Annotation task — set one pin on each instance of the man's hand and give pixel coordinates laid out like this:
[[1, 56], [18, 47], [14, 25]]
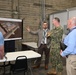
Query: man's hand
[[61, 52], [48, 34], [28, 29]]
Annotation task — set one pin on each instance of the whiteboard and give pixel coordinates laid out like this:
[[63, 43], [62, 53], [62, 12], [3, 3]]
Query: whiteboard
[[72, 13]]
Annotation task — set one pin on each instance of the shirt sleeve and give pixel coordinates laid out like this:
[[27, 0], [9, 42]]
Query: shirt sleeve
[[1, 39], [34, 32], [71, 44]]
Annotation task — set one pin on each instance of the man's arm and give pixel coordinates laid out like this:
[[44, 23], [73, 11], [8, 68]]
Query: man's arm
[[1, 46], [32, 32], [71, 44], [48, 39], [1, 52]]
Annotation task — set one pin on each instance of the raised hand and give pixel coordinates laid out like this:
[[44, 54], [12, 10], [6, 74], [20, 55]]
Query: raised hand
[[48, 34], [28, 29]]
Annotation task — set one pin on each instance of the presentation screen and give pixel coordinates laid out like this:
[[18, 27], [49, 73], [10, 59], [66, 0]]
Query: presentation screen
[[12, 29]]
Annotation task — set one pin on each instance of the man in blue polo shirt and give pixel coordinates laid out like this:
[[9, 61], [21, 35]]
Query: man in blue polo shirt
[[70, 51], [1, 46]]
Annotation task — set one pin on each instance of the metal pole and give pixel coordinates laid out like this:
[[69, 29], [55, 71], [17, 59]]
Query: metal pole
[[12, 8], [43, 9]]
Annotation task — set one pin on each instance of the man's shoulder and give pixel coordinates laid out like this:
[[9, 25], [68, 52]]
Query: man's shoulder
[[73, 32], [60, 27]]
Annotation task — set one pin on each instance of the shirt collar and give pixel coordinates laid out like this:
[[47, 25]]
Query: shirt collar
[[73, 28], [45, 29]]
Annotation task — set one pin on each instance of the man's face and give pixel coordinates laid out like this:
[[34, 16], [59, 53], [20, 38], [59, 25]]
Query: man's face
[[69, 24], [54, 22], [45, 25]]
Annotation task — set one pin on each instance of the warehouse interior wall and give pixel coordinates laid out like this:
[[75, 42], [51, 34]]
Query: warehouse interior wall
[[31, 13]]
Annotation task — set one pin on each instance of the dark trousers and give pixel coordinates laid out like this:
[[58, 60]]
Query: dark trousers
[[41, 49]]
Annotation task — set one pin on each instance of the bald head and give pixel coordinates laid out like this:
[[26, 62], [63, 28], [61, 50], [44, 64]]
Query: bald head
[[73, 20], [71, 23]]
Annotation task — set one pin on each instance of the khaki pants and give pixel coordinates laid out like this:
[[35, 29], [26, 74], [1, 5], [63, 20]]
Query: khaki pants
[[71, 65]]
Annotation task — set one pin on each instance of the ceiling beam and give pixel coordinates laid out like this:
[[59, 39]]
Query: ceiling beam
[[38, 4]]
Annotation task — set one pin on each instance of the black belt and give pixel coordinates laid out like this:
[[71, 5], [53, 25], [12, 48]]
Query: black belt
[[70, 54], [43, 44]]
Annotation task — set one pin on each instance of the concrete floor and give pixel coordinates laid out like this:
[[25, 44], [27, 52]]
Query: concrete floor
[[39, 71]]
